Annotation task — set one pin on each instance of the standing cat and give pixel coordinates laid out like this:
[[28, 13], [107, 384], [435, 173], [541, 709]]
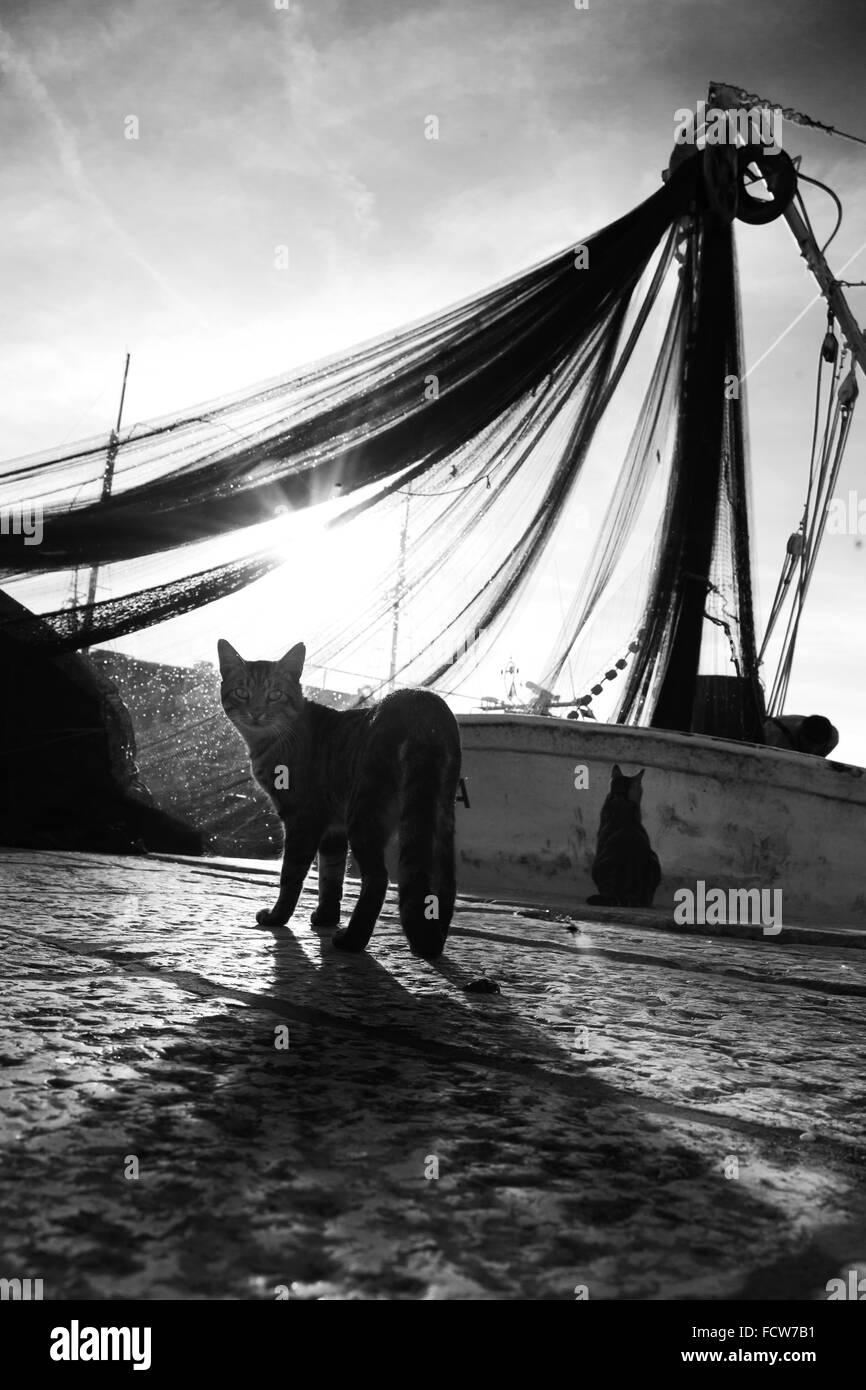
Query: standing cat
[[354, 777], [626, 869]]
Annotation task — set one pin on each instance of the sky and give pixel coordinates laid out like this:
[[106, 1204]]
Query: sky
[[278, 200]]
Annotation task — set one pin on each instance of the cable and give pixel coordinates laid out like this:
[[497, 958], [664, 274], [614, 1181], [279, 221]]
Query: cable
[[821, 483], [818, 184]]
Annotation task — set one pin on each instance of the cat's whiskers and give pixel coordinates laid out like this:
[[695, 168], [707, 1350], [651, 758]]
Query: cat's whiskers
[[271, 741]]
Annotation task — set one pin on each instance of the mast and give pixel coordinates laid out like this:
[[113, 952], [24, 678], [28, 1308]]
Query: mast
[[722, 96], [703, 436], [829, 287], [398, 594], [107, 480], [708, 418]]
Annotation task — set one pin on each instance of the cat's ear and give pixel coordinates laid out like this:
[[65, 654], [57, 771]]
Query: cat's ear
[[292, 664], [230, 660], [639, 776], [615, 771]]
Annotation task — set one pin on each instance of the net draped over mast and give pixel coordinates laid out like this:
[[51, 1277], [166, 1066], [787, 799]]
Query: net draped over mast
[[485, 421]]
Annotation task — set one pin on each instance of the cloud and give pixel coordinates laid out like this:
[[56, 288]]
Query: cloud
[[16, 64], [311, 112]]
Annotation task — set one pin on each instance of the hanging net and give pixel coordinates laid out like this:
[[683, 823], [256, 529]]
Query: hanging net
[[554, 467]]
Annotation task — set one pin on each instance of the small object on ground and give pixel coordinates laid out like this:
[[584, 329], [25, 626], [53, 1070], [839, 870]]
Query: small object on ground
[[483, 986]]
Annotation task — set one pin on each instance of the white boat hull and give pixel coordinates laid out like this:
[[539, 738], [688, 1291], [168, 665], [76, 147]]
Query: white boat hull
[[732, 815]]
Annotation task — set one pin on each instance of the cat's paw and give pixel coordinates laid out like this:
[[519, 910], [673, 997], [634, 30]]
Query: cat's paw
[[342, 941], [268, 918], [324, 918]]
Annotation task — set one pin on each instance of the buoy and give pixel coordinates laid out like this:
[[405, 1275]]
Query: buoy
[[780, 176]]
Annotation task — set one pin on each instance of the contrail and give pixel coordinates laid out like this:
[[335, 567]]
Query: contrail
[[14, 62], [793, 324], [310, 108]]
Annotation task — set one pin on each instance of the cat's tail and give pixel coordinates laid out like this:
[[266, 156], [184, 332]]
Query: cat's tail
[[425, 874]]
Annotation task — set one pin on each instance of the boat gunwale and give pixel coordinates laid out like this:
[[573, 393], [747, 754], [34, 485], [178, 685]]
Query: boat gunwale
[[841, 781]]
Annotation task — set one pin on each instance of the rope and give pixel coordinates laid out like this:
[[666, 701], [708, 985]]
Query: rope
[[804, 545], [818, 184], [788, 112]]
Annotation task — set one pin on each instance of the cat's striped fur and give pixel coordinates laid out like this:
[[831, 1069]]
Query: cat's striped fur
[[354, 778]]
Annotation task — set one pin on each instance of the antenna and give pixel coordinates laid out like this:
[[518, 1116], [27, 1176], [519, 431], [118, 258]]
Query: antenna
[[398, 594], [107, 480]]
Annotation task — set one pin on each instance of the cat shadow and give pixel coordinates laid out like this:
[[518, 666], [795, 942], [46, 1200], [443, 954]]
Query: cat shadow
[[417, 1067], [308, 1165], [290, 951]]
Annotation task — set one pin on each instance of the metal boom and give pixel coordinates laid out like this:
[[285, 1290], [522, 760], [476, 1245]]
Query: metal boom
[[722, 96]]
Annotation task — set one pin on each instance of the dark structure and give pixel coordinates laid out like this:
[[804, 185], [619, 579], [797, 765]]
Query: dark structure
[[68, 777]]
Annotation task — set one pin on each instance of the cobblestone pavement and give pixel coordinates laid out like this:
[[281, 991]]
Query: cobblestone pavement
[[645, 1114]]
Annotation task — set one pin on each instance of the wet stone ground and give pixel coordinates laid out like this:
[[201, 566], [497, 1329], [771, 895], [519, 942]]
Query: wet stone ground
[[638, 1114]]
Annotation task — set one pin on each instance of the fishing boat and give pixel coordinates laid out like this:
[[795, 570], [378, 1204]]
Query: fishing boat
[[727, 812], [483, 420]]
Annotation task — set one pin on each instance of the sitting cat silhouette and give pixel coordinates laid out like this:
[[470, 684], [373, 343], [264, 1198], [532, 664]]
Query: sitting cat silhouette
[[626, 870], [350, 778]]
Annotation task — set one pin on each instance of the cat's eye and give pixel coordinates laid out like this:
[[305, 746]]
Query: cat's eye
[[276, 695], [241, 693]]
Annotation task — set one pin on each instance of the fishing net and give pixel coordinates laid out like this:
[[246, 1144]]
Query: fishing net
[[392, 507], [696, 667]]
